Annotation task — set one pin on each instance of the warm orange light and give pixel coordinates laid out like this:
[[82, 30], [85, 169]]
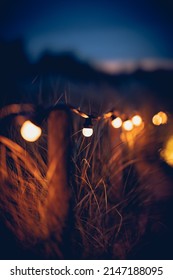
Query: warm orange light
[[87, 132], [167, 152], [117, 122], [128, 125], [137, 120], [163, 116], [157, 120], [30, 132]]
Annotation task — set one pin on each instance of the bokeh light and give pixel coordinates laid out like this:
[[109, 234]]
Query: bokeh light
[[30, 132], [157, 120], [137, 120], [167, 152], [160, 118], [117, 122], [163, 116], [128, 125]]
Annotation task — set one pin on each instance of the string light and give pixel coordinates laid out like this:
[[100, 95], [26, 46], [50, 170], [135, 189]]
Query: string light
[[35, 131], [137, 120], [157, 120], [30, 132], [163, 116], [116, 122], [128, 125], [87, 130], [160, 118]]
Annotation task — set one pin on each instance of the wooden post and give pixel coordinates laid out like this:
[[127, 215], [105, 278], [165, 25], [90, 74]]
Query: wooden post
[[59, 126]]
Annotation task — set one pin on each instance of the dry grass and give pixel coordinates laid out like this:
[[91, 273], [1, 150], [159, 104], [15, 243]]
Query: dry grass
[[111, 203], [106, 192]]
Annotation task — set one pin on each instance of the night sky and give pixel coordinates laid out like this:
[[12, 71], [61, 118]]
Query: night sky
[[95, 30]]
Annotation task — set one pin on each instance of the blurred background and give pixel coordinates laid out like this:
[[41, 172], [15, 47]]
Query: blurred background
[[100, 31], [130, 40]]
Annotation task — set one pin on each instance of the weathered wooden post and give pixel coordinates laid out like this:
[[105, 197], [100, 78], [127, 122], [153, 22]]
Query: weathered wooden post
[[59, 149]]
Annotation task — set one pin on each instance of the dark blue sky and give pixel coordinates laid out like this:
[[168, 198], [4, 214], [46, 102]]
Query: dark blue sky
[[96, 30]]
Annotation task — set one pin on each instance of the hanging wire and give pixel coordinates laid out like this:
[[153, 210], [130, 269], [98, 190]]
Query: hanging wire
[[42, 113], [84, 115]]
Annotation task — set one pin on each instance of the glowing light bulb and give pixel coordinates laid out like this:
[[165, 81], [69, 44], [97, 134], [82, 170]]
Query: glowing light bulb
[[137, 120], [87, 131], [128, 125], [163, 116], [30, 132], [157, 120], [117, 122]]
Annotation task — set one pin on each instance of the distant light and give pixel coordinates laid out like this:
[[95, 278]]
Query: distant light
[[163, 116], [117, 122], [137, 120], [157, 120], [30, 132], [128, 125], [167, 152], [87, 131]]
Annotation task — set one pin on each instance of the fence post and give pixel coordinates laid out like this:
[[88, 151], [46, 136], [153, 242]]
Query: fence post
[[59, 149]]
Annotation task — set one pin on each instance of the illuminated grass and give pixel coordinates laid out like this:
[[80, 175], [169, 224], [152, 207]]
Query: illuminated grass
[[110, 195]]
